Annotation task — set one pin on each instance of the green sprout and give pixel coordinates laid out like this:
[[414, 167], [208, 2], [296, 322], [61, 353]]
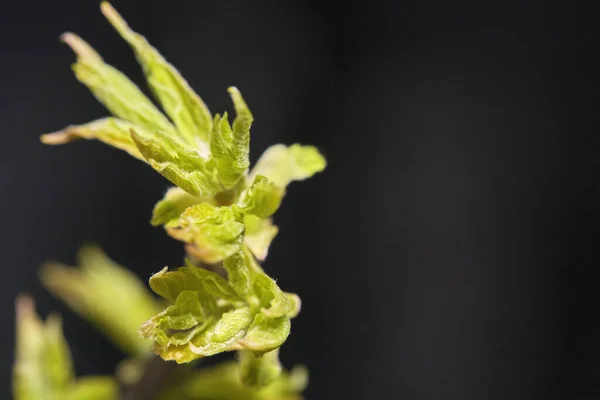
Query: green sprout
[[221, 300]]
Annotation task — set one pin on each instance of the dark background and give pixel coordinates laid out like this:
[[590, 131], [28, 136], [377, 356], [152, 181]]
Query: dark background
[[449, 251]]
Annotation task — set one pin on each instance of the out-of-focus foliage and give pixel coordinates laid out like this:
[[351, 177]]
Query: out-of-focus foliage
[[224, 382], [106, 294], [43, 368]]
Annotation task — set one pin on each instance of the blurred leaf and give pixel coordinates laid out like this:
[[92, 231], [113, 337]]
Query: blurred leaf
[[43, 368], [94, 388], [222, 382], [258, 371], [42, 361], [112, 131], [106, 294], [181, 103], [282, 165], [216, 232]]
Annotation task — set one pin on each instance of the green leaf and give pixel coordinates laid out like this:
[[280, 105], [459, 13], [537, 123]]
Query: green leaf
[[207, 337], [113, 89], [273, 301], [168, 210], [112, 131], [259, 235], [262, 198], [230, 147], [169, 284], [295, 304], [43, 364], [215, 232], [94, 388], [181, 103], [282, 164], [180, 322], [258, 371], [185, 168], [266, 333], [106, 294], [238, 273]]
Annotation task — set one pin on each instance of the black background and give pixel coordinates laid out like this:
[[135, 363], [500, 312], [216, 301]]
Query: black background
[[449, 251]]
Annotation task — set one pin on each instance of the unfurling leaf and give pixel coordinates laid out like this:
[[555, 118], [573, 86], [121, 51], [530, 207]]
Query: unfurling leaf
[[215, 232], [185, 168], [266, 333], [273, 301], [258, 371], [108, 295], [112, 131], [168, 210], [262, 198], [169, 284], [181, 103], [212, 315], [184, 332], [259, 235], [230, 147], [238, 273], [282, 165], [113, 89]]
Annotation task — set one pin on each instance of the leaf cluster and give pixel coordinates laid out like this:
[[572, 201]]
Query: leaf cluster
[[221, 299]]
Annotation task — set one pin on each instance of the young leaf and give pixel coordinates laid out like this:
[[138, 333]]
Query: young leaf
[[113, 89], [259, 235], [169, 284], [230, 147], [238, 273], [211, 337], [183, 167], [181, 103], [266, 334], [112, 131], [180, 322], [168, 210], [215, 232], [105, 293], [262, 198], [282, 164], [295, 304], [223, 335], [273, 301]]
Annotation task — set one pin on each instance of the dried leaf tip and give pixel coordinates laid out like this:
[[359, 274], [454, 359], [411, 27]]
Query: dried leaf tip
[[115, 19], [24, 306], [80, 47]]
